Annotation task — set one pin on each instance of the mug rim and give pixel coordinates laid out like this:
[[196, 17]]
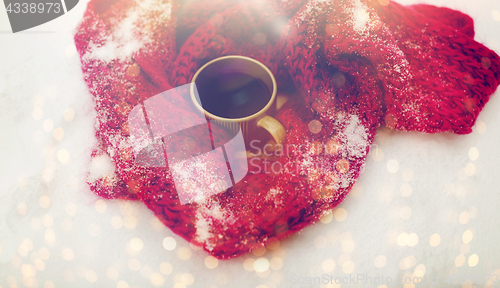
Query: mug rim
[[243, 119]]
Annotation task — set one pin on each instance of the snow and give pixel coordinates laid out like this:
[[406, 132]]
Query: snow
[[201, 175], [312, 7], [131, 34], [354, 137], [209, 212], [360, 16], [100, 166]]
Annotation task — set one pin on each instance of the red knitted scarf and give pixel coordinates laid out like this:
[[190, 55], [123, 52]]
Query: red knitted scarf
[[355, 65]]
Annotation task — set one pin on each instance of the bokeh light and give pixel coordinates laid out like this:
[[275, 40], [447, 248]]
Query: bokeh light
[[314, 126], [112, 273], [377, 153], [63, 156], [412, 239], [211, 262], [460, 260], [122, 284], [44, 201], [473, 153], [464, 248], [48, 125], [470, 169], [259, 251], [467, 236], [473, 260], [37, 113], [68, 254], [248, 264], [117, 222], [22, 209], [380, 261], [69, 114], [47, 220], [464, 217], [261, 265], [327, 218], [393, 166], [157, 279], [495, 14], [340, 214], [328, 265], [91, 276], [406, 190], [136, 244], [184, 253], [348, 267], [434, 240], [70, 50], [134, 264], [187, 279], [481, 127], [100, 206], [402, 239], [405, 212], [166, 268], [276, 263], [58, 133], [169, 243]]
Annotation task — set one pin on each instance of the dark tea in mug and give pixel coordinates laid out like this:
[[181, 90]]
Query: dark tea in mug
[[234, 87], [233, 94]]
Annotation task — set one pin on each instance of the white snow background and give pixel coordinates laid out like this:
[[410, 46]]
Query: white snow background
[[55, 233]]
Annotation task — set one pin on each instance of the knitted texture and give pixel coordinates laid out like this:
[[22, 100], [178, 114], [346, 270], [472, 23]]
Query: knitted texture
[[354, 65]]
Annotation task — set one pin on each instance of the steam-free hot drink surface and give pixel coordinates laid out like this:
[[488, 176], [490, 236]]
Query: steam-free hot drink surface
[[233, 95]]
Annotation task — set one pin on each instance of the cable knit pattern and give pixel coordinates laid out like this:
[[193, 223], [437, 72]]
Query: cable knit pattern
[[355, 64]]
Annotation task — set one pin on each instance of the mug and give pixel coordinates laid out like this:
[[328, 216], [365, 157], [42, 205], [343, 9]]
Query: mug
[[238, 92]]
